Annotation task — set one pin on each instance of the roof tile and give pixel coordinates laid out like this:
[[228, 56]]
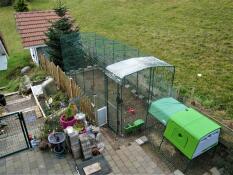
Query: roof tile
[[33, 25]]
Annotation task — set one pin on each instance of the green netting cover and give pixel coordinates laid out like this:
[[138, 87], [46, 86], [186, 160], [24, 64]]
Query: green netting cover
[[164, 108]]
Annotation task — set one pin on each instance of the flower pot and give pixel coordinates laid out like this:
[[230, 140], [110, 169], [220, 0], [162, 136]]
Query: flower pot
[[59, 151], [65, 123]]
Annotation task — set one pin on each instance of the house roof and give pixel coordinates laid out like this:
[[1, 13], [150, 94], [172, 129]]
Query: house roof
[[32, 26]]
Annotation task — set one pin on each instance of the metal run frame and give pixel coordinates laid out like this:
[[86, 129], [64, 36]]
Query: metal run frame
[[148, 99], [100, 52]]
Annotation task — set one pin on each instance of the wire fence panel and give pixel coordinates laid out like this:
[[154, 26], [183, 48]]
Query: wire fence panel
[[13, 135]]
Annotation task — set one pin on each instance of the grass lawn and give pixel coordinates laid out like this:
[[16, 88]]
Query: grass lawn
[[195, 36]]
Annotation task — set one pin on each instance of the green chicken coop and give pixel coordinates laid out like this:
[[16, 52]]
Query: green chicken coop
[[189, 130]]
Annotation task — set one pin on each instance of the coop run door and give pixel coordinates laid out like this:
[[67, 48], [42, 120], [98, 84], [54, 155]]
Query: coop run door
[[207, 142]]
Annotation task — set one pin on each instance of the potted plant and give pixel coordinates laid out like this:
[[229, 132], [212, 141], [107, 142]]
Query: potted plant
[[68, 119]]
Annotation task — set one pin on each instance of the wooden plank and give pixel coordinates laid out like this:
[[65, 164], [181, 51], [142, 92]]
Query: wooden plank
[[11, 93], [3, 87], [38, 104]]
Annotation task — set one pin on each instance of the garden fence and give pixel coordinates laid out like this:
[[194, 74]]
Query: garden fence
[[69, 86]]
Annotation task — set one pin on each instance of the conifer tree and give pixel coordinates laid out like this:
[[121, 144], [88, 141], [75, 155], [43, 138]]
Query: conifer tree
[[58, 28]]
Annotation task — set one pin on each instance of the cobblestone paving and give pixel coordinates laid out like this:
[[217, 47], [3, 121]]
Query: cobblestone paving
[[124, 161], [130, 160]]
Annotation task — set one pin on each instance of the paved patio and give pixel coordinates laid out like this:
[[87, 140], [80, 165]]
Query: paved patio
[[123, 154], [128, 160]]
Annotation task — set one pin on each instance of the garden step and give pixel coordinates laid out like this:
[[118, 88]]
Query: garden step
[[20, 104], [21, 100]]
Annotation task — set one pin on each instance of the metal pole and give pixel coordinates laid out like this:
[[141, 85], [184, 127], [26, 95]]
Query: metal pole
[[137, 84], [147, 113], [93, 80], [113, 50], [117, 109], [187, 166], [104, 49], [22, 127], [121, 110], [124, 55], [106, 95], [25, 128], [95, 45], [83, 81], [148, 102], [173, 77], [153, 77], [160, 145]]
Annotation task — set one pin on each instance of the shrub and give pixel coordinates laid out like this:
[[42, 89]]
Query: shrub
[[21, 6]]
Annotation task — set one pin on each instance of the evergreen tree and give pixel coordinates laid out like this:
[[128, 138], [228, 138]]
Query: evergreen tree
[[58, 28], [21, 6]]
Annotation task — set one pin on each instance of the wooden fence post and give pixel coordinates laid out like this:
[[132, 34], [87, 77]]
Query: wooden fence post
[[58, 77], [70, 83]]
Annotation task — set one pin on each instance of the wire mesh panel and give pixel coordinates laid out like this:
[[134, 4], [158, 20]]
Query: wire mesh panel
[[12, 135], [113, 112], [134, 104], [80, 50], [162, 82]]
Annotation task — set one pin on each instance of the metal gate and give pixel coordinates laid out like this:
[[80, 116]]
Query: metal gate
[[13, 134]]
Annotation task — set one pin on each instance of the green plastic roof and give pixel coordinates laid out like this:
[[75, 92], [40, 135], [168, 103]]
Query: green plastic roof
[[164, 108], [194, 123]]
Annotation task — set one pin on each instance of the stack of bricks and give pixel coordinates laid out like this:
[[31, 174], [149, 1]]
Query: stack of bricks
[[75, 145], [86, 146]]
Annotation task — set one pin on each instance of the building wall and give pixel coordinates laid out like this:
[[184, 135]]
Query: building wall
[[3, 57], [3, 62], [34, 55]]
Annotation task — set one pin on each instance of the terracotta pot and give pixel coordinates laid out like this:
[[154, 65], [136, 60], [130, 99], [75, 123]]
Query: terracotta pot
[[65, 123]]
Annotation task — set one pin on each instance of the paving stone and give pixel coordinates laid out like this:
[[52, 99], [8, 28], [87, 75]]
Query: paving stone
[[35, 171], [33, 164], [206, 173], [43, 171], [51, 172], [141, 170], [178, 172], [115, 169], [2, 170], [214, 171], [116, 158]]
